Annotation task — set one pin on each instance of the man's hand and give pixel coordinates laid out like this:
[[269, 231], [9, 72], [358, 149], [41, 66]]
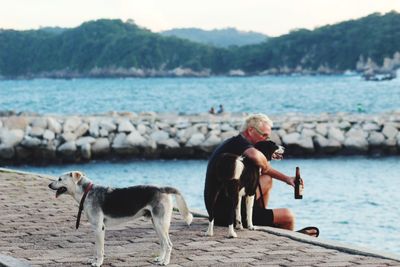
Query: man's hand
[[291, 180]]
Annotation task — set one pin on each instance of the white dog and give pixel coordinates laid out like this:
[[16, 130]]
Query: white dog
[[107, 206]]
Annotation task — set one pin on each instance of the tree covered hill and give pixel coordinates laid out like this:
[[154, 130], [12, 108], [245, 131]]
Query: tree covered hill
[[336, 47], [108, 48], [219, 37]]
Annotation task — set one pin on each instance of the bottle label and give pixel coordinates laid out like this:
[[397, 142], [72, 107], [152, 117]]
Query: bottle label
[[301, 189]]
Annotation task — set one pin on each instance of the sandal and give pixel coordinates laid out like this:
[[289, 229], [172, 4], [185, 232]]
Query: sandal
[[311, 231]]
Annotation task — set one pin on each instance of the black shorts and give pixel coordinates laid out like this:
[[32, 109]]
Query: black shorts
[[261, 216]]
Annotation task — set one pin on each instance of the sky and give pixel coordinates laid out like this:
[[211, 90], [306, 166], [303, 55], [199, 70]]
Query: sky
[[271, 17]]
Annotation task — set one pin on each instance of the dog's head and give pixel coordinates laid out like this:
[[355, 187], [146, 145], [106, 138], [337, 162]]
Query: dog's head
[[270, 150], [67, 183]]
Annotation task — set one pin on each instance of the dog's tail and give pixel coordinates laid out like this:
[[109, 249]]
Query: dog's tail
[[181, 203]]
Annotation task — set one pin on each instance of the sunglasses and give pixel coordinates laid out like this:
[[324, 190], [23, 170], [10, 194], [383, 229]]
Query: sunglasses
[[265, 135]]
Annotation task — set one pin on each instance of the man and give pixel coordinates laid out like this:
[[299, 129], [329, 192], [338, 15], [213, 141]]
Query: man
[[256, 128]]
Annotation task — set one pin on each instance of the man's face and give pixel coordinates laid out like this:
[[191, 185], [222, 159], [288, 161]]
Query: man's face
[[259, 133]]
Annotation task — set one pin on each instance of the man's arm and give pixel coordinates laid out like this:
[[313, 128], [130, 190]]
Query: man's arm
[[258, 158], [280, 176]]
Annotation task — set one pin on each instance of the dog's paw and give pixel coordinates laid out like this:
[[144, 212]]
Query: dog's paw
[[232, 235], [239, 225], [161, 261], [209, 233], [96, 263], [251, 227]]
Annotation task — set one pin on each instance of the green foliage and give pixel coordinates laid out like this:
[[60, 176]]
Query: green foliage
[[219, 38], [112, 44], [337, 47]]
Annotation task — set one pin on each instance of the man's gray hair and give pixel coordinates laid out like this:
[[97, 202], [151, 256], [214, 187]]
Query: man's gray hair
[[255, 120]]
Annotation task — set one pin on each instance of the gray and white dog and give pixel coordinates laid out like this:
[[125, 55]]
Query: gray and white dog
[[106, 206]]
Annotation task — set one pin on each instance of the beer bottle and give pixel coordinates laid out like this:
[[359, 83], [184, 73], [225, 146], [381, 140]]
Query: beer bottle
[[298, 187]]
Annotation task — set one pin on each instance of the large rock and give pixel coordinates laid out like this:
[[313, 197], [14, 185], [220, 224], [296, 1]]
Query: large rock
[[307, 144], [169, 143], [335, 133], [68, 148], [322, 128], [195, 140], [225, 127], [71, 124], [356, 132], [82, 141], [126, 126], [376, 139], [48, 135], [275, 138], [86, 151], [16, 122], [36, 131], [101, 146], [291, 139], [307, 132], [107, 125], [210, 143], [371, 126], [119, 141], [31, 142], [54, 125], [10, 138], [390, 131], [81, 130], [142, 129], [40, 122], [327, 146], [356, 143], [68, 136], [94, 128], [159, 136], [227, 135], [136, 139]]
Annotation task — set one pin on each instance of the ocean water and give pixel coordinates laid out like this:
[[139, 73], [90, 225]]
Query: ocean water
[[270, 95], [351, 200]]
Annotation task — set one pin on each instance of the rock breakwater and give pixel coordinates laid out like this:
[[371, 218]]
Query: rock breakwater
[[53, 139]]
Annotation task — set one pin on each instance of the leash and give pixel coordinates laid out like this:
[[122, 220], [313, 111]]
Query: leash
[[78, 219], [261, 195]]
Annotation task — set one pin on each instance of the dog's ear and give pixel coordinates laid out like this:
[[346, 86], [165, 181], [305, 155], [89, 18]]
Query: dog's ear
[[76, 176]]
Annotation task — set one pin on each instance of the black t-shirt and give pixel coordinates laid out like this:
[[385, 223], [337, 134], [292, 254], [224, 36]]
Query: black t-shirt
[[235, 145]]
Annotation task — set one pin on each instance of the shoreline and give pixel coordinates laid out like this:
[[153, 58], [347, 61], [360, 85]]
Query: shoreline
[[43, 139]]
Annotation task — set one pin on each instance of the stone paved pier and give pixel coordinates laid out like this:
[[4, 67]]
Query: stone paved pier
[[38, 230]]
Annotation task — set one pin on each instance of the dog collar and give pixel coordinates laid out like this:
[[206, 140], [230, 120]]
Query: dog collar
[[78, 219]]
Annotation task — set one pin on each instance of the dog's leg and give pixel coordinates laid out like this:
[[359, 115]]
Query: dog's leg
[[249, 212], [161, 254], [210, 230], [231, 231], [162, 221], [233, 191], [99, 230], [238, 220]]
